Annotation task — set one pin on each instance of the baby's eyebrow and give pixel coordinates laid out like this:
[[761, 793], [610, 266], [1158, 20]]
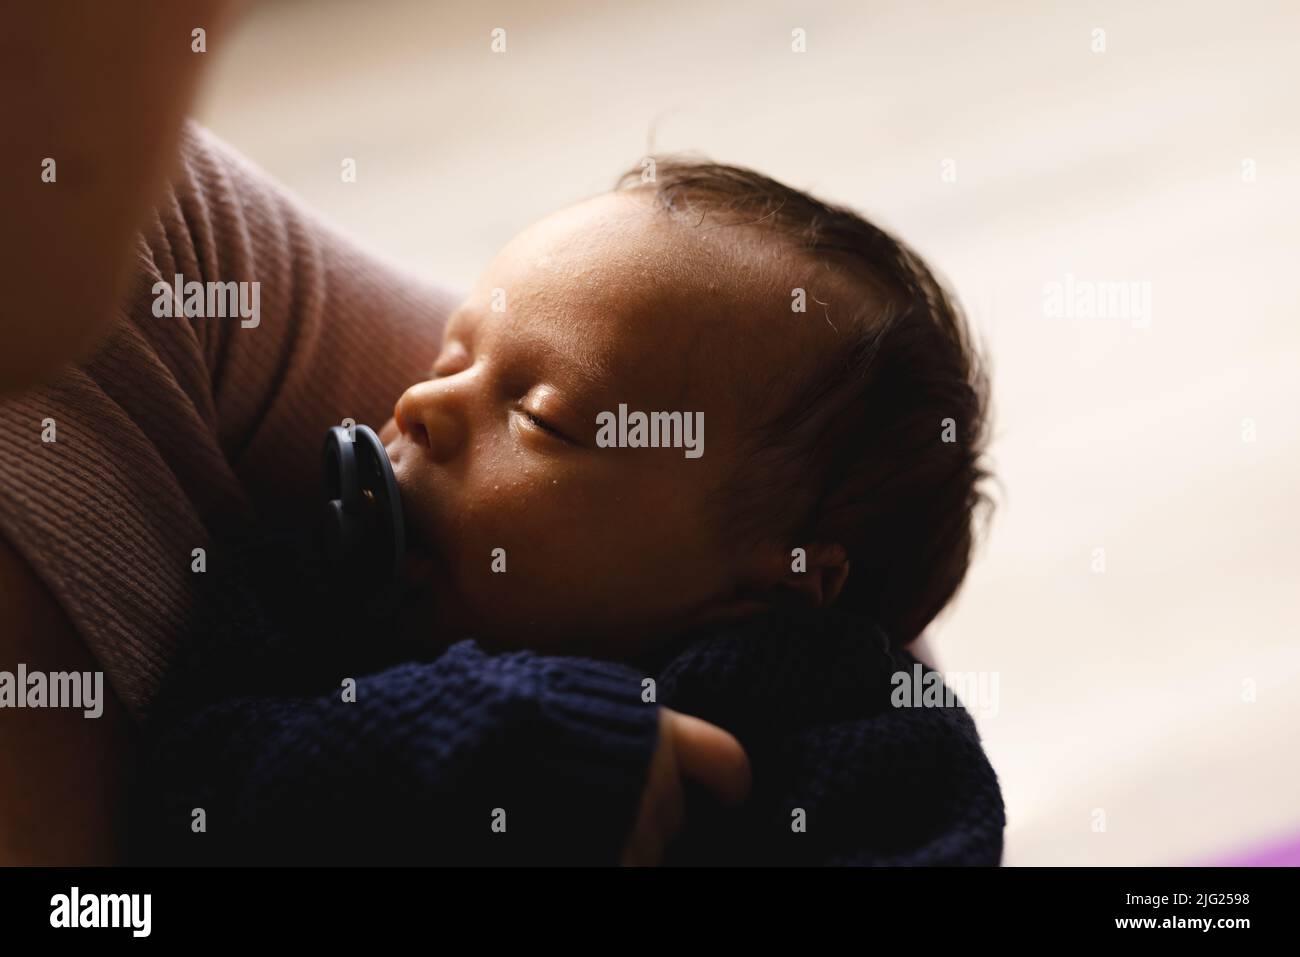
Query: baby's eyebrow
[[595, 373], [591, 370], [594, 377], [592, 383]]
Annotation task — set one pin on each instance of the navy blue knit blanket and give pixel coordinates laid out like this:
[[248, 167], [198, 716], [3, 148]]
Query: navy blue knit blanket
[[292, 732]]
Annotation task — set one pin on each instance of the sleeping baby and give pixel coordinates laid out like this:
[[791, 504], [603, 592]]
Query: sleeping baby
[[836, 383], [563, 505]]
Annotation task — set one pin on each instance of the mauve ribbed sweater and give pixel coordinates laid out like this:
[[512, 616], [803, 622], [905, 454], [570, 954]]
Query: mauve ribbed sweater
[[179, 428]]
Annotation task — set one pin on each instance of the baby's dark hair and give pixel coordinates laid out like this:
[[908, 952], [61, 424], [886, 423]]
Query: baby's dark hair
[[887, 446]]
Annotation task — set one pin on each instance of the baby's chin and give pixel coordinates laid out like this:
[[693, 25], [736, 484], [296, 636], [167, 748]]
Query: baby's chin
[[424, 625], [436, 616]]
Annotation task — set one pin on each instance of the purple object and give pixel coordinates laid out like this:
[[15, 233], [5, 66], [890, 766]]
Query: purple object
[[1284, 853]]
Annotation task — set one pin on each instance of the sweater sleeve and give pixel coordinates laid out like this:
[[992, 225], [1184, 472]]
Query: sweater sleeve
[[470, 759], [338, 333], [181, 428], [842, 773]]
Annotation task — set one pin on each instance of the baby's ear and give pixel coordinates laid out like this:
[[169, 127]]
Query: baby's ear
[[810, 575], [816, 573]]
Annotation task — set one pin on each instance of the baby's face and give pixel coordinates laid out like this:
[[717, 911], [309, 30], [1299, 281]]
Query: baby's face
[[536, 534]]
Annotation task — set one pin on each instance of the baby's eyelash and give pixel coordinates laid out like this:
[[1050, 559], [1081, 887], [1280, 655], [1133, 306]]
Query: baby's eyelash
[[542, 425]]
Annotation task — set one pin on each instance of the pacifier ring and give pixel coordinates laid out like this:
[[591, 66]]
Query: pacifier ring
[[364, 532]]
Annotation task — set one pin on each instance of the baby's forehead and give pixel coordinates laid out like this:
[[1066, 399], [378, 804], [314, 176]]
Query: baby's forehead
[[664, 305], [621, 243]]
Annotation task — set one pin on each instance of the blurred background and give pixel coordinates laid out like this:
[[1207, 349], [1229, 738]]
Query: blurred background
[[1137, 593]]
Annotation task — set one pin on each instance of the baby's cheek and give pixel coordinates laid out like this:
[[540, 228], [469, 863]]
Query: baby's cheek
[[510, 549]]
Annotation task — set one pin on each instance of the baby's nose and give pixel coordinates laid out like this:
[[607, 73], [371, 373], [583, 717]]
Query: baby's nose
[[423, 417]]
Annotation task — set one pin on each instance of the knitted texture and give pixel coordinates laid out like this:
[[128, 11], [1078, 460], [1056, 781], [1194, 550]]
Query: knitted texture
[[415, 764], [808, 694], [412, 771], [417, 769]]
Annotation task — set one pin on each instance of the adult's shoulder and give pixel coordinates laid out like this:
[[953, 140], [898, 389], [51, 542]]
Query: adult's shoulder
[[323, 329]]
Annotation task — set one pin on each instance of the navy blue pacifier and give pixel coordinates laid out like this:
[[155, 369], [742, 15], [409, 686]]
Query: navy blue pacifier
[[362, 529]]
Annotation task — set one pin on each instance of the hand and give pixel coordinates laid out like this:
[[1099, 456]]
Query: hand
[[688, 748]]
